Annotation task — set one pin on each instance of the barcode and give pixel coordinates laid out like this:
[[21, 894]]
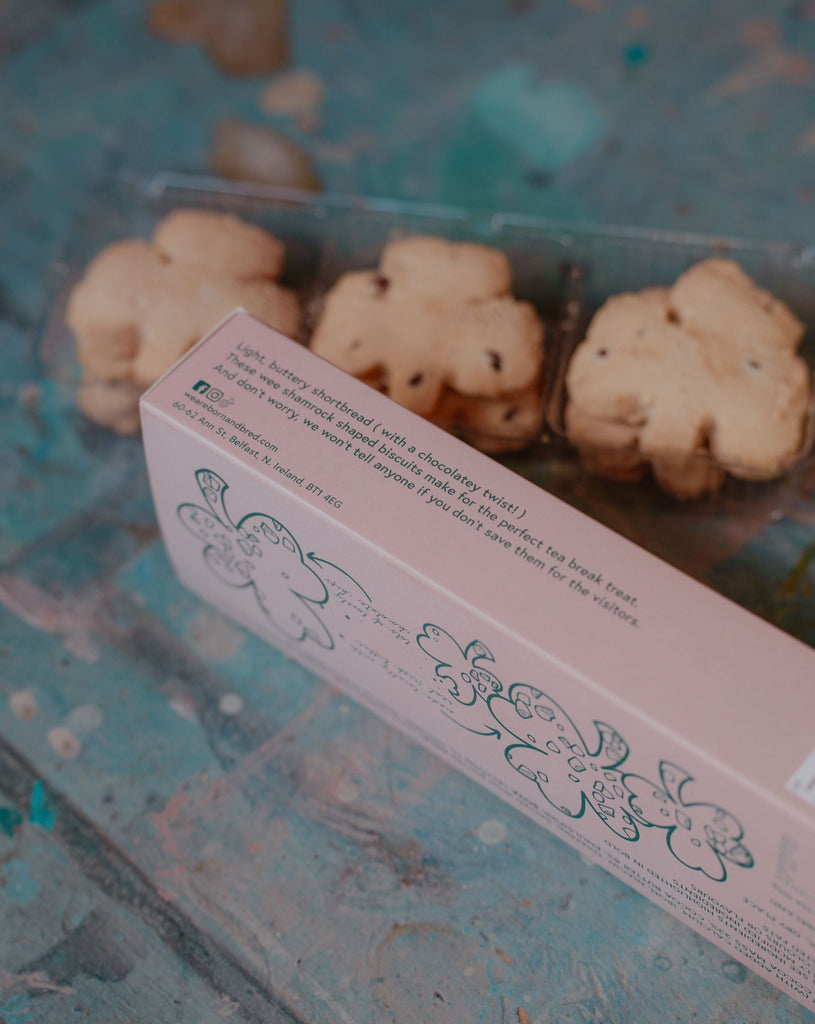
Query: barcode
[[803, 781]]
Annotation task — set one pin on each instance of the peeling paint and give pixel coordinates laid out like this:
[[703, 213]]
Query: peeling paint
[[24, 705], [773, 64], [64, 743], [71, 618], [33, 981]]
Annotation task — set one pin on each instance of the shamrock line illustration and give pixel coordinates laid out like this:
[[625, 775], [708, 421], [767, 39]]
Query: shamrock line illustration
[[571, 773], [575, 773], [260, 554], [700, 835], [469, 681]]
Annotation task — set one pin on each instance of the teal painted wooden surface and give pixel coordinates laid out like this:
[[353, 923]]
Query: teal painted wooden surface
[[217, 834], [71, 947]]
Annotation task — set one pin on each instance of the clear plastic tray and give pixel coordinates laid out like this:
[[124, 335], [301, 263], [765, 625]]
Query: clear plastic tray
[[565, 269]]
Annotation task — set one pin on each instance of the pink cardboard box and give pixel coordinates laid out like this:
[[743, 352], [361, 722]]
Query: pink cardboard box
[[657, 727]]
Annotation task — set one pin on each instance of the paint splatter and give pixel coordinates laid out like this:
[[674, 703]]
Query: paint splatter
[[638, 18], [228, 1007], [491, 832], [241, 37], [549, 123], [298, 94], [64, 743], [31, 981], [214, 637], [771, 63], [249, 152], [23, 705], [10, 819], [70, 617], [230, 704], [84, 719], [41, 812], [734, 972], [184, 707], [635, 54]]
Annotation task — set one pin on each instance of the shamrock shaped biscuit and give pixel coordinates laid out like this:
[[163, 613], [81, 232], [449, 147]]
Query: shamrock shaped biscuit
[[695, 381], [141, 305], [717, 297], [507, 423], [436, 315]]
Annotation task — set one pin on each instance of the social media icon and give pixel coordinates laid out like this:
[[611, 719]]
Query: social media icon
[[215, 394], [202, 386]]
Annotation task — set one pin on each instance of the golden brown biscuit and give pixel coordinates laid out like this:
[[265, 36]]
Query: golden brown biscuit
[[507, 423], [140, 305], [219, 242], [716, 297], [691, 386], [435, 316]]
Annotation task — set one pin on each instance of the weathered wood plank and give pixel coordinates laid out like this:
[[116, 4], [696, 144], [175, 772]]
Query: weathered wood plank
[[84, 935]]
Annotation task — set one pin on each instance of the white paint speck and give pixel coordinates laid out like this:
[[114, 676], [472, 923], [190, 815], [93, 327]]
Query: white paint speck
[[82, 646], [228, 1007], [84, 719], [64, 742], [214, 637], [491, 832], [345, 791], [230, 704], [183, 706], [297, 93], [23, 705]]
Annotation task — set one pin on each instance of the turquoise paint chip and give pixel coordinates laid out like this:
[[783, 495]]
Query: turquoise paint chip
[[10, 818], [41, 813], [635, 54], [549, 123], [17, 1010]]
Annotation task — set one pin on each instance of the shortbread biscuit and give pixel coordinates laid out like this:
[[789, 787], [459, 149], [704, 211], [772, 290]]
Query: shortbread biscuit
[[507, 423], [436, 317], [110, 403], [221, 243], [693, 388], [716, 297], [140, 305], [454, 271]]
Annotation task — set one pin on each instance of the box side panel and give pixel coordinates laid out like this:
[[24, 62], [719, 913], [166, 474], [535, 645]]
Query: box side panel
[[650, 809], [623, 620]]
